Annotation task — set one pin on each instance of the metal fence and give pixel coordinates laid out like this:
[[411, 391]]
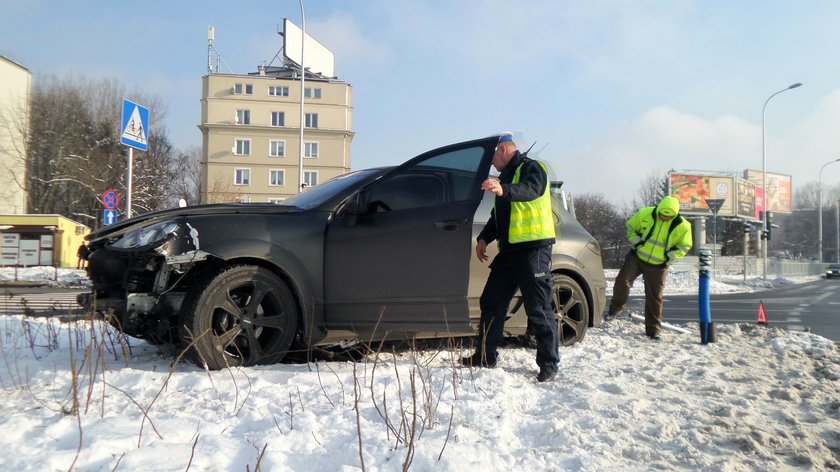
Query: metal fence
[[734, 265]]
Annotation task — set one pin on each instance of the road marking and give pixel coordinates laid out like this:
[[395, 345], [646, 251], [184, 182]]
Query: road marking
[[823, 297]]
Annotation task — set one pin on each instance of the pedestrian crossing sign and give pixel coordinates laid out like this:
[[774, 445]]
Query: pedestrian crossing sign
[[135, 125]]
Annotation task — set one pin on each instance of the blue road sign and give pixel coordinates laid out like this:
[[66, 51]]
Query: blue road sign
[[135, 126], [109, 217]]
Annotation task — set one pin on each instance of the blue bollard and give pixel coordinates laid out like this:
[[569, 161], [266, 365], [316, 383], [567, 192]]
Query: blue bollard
[[707, 327]]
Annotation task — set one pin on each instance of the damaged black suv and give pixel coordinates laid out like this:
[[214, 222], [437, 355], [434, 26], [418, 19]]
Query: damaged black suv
[[375, 254]]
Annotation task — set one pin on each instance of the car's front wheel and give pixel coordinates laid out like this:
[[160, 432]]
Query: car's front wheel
[[240, 316], [572, 309]]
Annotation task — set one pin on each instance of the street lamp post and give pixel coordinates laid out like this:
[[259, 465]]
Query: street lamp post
[[302, 85], [764, 171], [838, 231], [819, 212]]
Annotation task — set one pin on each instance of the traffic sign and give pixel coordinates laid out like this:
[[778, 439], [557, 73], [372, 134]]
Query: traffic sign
[[135, 125], [111, 199], [109, 217]]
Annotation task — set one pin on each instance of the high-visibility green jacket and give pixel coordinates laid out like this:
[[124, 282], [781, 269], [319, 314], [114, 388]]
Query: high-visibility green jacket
[[525, 181], [658, 242], [531, 220]]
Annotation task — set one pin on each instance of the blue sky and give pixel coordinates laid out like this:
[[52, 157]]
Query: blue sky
[[611, 90]]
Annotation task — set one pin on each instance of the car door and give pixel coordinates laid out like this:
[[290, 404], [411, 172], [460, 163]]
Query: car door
[[400, 264]]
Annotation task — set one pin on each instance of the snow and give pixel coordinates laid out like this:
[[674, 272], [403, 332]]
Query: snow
[[44, 275], [757, 399]]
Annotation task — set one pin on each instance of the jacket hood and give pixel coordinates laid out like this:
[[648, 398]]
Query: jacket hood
[[669, 206]]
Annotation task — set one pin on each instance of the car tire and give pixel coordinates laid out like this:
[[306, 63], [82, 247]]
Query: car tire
[[242, 315], [572, 309]]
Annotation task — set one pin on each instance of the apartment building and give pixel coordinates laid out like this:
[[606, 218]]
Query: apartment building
[[15, 90], [251, 123]]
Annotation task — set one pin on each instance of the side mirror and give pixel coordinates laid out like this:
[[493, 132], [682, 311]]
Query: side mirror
[[353, 207]]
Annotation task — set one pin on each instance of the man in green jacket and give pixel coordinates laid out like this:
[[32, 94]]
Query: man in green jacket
[[660, 236]]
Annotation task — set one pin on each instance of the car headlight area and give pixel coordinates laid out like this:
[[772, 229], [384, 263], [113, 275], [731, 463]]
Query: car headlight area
[[147, 237]]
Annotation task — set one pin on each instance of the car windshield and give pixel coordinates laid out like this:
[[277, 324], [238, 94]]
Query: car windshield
[[834, 266], [315, 196]]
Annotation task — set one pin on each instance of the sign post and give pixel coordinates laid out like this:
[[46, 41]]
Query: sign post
[[714, 205], [134, 134], [111, 201]]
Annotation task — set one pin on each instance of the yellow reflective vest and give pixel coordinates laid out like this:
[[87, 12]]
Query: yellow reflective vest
[[531, 221], [658, 242]]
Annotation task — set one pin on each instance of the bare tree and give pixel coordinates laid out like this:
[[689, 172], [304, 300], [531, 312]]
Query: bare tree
[[74, 150], [221, 191], [807, 196], [653, 188], [606, 223], [186, 168]]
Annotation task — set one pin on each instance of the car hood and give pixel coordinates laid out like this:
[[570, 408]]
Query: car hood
[[204, 210]]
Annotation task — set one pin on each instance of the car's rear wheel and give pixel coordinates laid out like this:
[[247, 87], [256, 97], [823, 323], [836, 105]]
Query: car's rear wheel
[[240, 316], [572, 309]]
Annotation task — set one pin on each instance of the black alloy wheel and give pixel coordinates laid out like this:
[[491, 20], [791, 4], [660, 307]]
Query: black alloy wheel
[[572, 309], [241, 316]]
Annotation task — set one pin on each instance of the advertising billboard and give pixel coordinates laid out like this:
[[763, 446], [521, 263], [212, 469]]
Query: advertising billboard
[[694, 190], [779, 189], [318, 58], [746, 199]]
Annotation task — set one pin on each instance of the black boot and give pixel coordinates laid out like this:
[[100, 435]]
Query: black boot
[[479, 360], [547, 373]]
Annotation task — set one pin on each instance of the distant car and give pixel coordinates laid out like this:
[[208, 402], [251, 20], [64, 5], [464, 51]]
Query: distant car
[[374, 254], [833, 270]]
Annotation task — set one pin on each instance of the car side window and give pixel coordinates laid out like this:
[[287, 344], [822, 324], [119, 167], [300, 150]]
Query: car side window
[[440, 179], [408, 190]]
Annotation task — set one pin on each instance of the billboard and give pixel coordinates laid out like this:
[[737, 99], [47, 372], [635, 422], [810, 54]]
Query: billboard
[[319, 59], [746, 199], [779, 189], [693, 191]]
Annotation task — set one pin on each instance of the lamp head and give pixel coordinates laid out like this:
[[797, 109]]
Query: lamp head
[[795, 85]]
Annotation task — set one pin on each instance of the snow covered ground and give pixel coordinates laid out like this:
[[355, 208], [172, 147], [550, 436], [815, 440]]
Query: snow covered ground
[[46, 276], [758, 399]]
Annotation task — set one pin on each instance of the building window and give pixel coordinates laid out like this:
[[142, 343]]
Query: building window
[[312, 93], [276, 201], [243, 117], [276, 177], [242, 147], [276, 148], [311, 120], [310, 178], [245, 199], [278, 91], [238, 89], [310, 149], [241, 176], [278, 118]]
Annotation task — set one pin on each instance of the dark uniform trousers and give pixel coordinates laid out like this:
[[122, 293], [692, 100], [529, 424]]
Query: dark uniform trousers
[[530, 270], [654, 277]]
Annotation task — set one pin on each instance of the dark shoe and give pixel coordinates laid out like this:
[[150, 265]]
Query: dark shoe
[[610, 316], [655, 337], [546, 374], [478, 360]]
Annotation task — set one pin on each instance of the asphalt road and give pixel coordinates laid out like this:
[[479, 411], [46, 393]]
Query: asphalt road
[[813, 307]]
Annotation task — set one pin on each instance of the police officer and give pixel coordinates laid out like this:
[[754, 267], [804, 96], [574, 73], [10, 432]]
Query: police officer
[[660, 236], [523, 225]]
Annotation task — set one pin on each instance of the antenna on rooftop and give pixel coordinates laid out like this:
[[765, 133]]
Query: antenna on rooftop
[[211, 35]]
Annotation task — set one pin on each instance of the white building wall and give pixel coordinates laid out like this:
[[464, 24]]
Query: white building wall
[[15, 89]]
